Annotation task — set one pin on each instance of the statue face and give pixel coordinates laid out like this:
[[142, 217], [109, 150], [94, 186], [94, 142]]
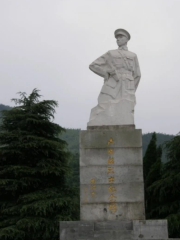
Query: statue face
[[121, 40]]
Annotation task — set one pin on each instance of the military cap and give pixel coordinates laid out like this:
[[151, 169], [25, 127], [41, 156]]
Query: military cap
[[123, 32]]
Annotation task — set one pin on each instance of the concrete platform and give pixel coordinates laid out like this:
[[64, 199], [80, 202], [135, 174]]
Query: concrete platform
[[114, 230]]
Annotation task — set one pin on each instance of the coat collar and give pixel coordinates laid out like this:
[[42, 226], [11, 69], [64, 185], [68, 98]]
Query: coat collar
[[123, 48]]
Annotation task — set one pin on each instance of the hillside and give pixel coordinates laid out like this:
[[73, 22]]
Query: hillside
[[71, 136], [4, 107], [161, 139]]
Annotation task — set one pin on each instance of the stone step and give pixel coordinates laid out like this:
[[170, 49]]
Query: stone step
[[114, 230]]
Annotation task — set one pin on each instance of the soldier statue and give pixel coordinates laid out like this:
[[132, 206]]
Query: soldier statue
[[121, 73]]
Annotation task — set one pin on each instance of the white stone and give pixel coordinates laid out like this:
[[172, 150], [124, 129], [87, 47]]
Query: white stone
[[121, 73]]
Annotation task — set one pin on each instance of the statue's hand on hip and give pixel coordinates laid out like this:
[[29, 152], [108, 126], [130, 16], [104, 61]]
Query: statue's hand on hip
[[114, 75]]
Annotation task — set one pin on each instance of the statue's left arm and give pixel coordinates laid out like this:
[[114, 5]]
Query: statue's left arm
[[137, 73]]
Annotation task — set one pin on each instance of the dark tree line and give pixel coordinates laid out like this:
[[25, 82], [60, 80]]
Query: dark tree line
[[162, 183], [34, 165], [71, 136], [39, 177]]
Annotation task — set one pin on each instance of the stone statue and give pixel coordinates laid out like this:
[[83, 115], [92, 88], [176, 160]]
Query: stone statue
[[121, 73]]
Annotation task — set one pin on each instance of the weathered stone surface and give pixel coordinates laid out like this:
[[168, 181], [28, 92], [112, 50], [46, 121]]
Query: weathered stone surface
[[121, 174], [69, 230], [123, 192], [111, 175], [86, 229], [114, 230], [150, 229], [102, 212], [99, 139], [113, 235], [112, 127], [122, 156], [113, 225]]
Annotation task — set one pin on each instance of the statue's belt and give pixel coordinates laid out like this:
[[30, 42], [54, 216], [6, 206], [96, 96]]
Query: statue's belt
[[122, 76]]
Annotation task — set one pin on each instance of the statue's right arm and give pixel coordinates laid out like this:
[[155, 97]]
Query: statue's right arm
[[99, 66], [98, 70]]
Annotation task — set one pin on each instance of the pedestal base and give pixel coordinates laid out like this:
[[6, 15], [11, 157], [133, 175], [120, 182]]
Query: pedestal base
[[111, 176], [114, 230]]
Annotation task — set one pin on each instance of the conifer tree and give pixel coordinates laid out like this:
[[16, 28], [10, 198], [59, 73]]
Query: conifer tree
[[167, 189], [154, 174], [150, 156], [74, 178], [152, 169], [34, 196]]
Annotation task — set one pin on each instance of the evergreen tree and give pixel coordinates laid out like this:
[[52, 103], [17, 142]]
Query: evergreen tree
[[74, 178], [152, 171], [153, 175], [33, 168], [167, 189], [150, 156], [155, 170]]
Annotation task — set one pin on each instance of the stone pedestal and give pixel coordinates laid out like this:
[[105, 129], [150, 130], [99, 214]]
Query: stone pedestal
[[114, 230], [111, 188], [111, 175]]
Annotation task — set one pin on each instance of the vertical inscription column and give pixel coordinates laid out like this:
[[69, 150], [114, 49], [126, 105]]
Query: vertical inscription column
[[111, 188], [111, 179]]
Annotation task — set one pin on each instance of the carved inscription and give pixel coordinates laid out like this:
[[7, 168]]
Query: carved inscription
[[110, 141], [93, 186], [110, 171]]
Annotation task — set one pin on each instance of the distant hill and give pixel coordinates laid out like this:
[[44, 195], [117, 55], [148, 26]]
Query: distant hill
[[161, 139], [71, 136], [4, 107]]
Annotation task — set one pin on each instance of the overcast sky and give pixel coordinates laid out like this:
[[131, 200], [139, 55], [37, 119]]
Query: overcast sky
[[49, 44]]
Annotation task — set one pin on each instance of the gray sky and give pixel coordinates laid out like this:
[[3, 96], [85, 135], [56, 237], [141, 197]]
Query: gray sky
[[49, 44]]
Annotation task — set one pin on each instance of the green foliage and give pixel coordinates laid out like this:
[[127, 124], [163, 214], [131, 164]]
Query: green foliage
[[155, 169], [166, 191], [3, 107], [161, 138], [152, 170], [150, 156], [71, 136], [162, 181], [34, 165], [74, 179]]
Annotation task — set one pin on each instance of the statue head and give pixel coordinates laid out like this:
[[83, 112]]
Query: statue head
[[122, 37]]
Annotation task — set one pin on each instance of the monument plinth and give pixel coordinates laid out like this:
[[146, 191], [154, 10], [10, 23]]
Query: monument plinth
[[112, 188], [111, 172], [111, 176]]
